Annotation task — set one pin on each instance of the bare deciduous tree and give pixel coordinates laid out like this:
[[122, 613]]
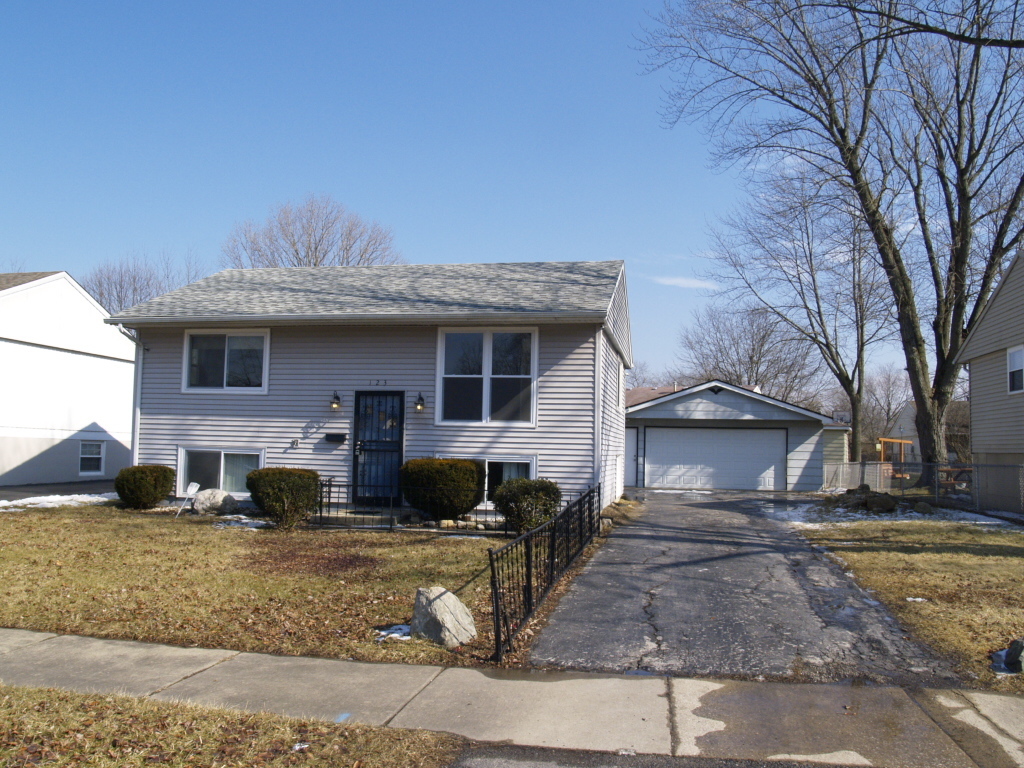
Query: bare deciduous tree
[[138, 277], [750, 348], [809, 261], [925, 134], [886, 390], [319, 232]]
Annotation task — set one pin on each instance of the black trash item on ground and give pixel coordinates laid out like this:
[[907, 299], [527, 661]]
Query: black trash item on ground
[[1008, 661]]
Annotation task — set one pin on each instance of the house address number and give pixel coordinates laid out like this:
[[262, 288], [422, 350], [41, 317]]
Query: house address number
[[378, 382]]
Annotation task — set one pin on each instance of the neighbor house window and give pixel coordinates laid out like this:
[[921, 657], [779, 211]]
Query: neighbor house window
[[226, 361], [487, 375], [1015, 368], [219, 469], [90, 458]]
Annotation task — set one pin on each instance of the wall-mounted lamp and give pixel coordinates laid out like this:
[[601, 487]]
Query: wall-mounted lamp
[[335, 402], [420, 403]]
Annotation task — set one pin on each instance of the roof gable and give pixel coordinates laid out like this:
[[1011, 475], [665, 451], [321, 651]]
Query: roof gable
[[411, 292], [719, 400], [1001, 323], [14, 279]]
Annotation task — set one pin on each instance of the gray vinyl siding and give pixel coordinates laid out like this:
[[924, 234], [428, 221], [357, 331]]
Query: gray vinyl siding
[[997, 416], [724, 405], [835, 443], [618, 318], [613, 424], [308, 364], [1002, 325]]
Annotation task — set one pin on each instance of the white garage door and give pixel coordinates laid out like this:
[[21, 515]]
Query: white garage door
[[735, 459]]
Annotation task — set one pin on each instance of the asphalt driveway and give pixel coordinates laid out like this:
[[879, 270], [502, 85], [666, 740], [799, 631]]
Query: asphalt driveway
[[710, 585]]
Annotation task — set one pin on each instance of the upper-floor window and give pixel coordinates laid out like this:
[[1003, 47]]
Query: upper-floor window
[[226, 361], [487, 375], [1015, 368]]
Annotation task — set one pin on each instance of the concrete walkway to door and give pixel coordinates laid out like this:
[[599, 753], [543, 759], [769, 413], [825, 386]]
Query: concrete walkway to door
[[708, 584]]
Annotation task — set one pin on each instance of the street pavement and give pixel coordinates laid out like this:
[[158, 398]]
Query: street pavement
[[562, 715], [711, 585]]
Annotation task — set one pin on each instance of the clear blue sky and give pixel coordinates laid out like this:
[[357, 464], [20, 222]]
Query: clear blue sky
[[476, 132]]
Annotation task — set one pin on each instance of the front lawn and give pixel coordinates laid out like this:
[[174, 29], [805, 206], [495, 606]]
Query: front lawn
[[106, 572], [63, 729], [966, 579]]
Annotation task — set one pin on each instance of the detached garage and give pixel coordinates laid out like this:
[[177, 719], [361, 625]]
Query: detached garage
[[720, 436]]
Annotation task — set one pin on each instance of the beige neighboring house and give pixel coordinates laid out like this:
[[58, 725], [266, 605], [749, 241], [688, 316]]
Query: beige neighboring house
[[994, 353], [66, 388], [958, 427]]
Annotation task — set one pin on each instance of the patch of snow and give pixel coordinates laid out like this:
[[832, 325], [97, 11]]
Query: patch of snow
[[816, 516], [917, 599], [677, 490], [241, 521], [52, 502], [397, 632]]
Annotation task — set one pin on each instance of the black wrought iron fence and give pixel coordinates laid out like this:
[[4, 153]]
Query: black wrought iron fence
[[524, 570], [350, 505]]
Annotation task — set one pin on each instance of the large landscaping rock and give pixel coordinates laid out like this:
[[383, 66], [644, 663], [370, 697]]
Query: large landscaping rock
[[441, 617], [923, 508], [214, 501], [881, 502]]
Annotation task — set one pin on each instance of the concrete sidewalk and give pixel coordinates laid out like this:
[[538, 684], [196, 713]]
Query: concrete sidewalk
[[834, 724]]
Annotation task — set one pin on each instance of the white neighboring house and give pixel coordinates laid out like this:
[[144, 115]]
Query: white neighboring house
[[66, 387]]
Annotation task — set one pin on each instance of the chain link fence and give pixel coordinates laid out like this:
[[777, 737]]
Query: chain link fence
[[979, 487]]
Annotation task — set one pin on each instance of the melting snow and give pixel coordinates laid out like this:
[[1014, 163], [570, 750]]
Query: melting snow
[[817, 515], [51, 502], [397, 632], [241, 521]]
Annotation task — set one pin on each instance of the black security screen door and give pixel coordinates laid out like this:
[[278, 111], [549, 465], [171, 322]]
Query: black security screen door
[[378, 446]]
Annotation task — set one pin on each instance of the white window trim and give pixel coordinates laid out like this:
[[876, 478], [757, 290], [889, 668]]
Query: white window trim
[[488, 331], [180, 469], [103, 458], [1010, 351], [486, 457], [187, 390]]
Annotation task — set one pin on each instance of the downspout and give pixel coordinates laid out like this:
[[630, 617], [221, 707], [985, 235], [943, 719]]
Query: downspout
[[137, 391]]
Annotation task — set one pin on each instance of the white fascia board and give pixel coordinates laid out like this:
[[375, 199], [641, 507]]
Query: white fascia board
[[732, 388], [447, 318]]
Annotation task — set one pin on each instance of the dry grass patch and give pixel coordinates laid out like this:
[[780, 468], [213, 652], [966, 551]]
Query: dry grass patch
[[969, 576], [58, 728], [106, 572]]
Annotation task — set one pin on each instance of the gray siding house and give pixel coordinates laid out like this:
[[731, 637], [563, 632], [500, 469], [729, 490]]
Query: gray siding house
[[994, 352], [719, 436], [353, 370]]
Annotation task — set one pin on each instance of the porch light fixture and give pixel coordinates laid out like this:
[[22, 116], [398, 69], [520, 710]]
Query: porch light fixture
[[335, 402], [420, 403]]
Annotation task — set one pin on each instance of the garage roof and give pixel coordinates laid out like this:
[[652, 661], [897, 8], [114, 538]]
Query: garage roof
[[715, 386]]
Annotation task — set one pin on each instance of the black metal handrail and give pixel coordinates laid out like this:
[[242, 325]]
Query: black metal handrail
[[383, 506], [524, 570]]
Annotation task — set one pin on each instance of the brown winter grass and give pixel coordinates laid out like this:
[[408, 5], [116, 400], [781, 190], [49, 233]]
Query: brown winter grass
[[62, 729], [105, 572], [970, 577]]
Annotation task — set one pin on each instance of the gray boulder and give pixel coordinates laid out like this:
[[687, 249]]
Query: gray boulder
[[923, 508], [442, 618], [214, 501]]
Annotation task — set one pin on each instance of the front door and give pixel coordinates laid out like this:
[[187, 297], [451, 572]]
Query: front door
[[378, 446]]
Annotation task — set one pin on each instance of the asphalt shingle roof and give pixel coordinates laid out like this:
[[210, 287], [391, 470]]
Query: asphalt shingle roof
[[11, 279], [408, 290]]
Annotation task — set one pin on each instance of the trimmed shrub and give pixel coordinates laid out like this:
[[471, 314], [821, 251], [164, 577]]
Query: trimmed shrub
[[287, 495], [444, 489], [144, 485], [527, 503]]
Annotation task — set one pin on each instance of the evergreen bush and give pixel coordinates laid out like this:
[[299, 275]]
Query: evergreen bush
[[443, 489], [144, 485], [526, 503], [287, 495]]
